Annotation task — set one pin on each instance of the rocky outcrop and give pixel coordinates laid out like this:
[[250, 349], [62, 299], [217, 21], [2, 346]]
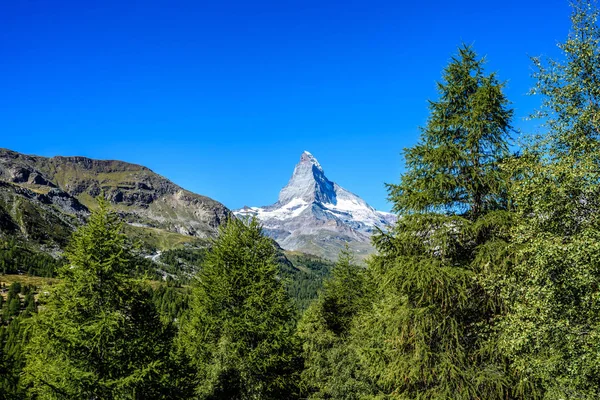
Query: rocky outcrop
[[47, 219]]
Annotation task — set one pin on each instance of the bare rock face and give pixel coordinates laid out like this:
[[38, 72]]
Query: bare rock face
[[317, 216], [47, 219], [141, 197], [308, 183]]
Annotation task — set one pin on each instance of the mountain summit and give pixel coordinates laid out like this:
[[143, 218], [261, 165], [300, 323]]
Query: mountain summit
[[308, 183], [316, 215]]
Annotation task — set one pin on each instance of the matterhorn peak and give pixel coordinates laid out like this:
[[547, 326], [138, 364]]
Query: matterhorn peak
[[317, 216], [307, 157], [308, 183]]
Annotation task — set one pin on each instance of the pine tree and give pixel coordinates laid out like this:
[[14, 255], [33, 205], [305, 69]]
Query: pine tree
[[13, 336], [239, 333], [552, 330], [97, 334], [330, 364], [14, 307], [423, 336]]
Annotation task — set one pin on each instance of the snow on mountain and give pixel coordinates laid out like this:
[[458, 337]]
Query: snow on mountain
[[316, 215]]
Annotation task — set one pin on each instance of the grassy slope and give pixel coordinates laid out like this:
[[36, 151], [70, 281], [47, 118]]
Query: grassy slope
[[154, 239]]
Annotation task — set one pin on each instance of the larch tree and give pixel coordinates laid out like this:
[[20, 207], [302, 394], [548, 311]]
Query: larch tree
[[97, 333], [238, 334], [425, 335], [330, 364]]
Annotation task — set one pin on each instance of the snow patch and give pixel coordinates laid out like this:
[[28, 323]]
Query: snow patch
[[290, 210]]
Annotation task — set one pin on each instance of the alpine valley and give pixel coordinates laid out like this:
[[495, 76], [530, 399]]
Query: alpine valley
[[317, 216], [43, 200]]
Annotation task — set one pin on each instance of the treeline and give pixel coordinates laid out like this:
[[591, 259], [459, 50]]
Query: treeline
[[17, 258], [488, 287]]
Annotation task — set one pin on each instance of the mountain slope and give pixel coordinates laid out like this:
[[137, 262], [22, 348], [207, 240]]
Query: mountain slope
[[317, 216], [45, 218], [61, 190]]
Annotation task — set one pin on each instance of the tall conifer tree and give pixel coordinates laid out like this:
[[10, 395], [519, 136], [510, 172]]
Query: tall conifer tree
[[97, 334], [422, 337], [239, 332], [455, 166]]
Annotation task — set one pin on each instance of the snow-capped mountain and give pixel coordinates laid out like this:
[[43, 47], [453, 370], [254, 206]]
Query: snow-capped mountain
[[316, 215]]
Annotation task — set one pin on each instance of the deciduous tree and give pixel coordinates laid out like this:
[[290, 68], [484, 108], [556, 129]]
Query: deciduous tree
[[552, 330]]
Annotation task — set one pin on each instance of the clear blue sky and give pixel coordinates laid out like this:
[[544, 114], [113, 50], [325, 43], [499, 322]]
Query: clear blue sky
[[223, 96]]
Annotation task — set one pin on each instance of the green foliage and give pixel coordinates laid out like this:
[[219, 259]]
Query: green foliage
[[98, 334], [552, 330], [570, 89], [13, 336], [455, 166], [303, 275], [16, 257], [344, 294], [181, 265], [185, 257], [330, 365], [239, 334], [171, 301], [423, 337]]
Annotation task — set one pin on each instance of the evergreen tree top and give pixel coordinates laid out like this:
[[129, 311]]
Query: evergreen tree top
[[454, 166]]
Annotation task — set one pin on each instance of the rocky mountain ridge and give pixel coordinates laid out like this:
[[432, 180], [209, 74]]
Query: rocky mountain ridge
[[36, 188]]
